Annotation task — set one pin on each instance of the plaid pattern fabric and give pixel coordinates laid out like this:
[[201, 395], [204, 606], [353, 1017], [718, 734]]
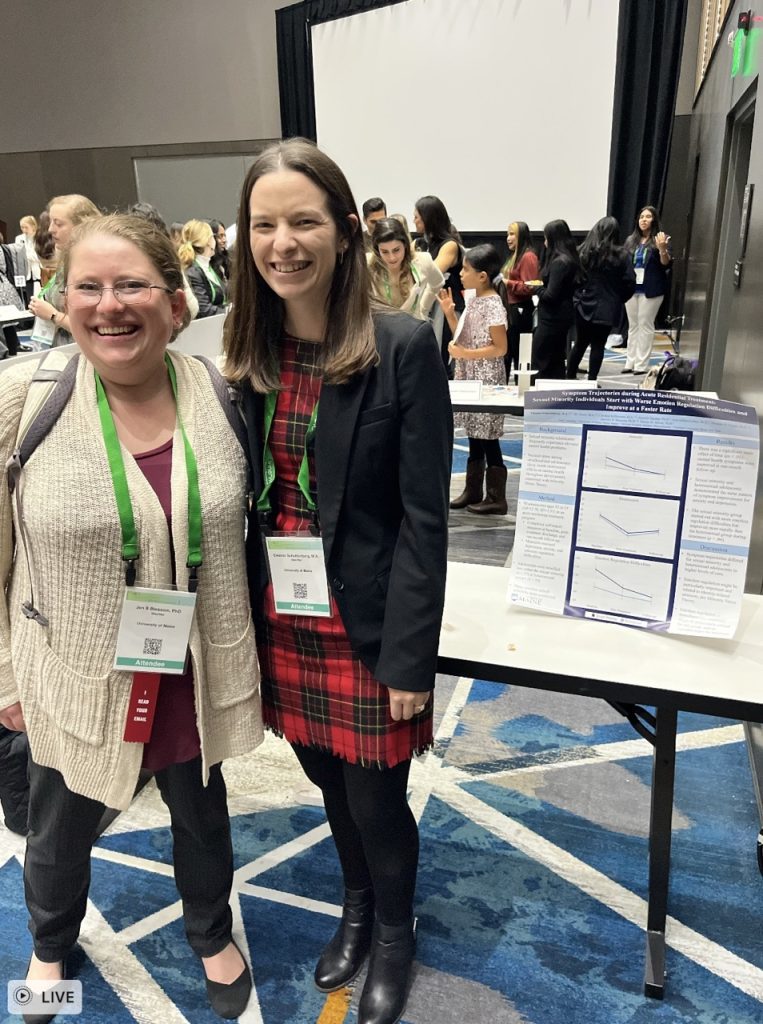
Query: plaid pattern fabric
[[315, 690]]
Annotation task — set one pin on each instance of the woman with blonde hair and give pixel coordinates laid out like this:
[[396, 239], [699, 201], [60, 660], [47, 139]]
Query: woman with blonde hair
[[405, 279], [196, 249], [66, 212], [138, 488]]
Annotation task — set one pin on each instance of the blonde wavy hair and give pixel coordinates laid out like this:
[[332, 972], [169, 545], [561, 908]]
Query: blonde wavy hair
[[194, 239]]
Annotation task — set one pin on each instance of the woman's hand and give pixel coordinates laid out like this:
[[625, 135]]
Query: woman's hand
[[13, 719], [458, 351], [42, 308], [445, 298], [405, 704], [661, 241]]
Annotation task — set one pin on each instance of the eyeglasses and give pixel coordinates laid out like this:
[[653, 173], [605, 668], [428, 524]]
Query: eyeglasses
[[131, 293]]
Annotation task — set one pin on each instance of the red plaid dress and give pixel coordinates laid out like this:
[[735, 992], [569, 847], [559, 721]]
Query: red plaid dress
[[315, 690]]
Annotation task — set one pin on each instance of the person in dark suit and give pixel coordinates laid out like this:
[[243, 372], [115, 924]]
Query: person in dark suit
[[560, 270], [350, 430], [608, 282]]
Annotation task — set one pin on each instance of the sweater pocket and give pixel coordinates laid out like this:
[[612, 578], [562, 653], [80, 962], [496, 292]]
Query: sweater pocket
[[75, 703], [231, 671]]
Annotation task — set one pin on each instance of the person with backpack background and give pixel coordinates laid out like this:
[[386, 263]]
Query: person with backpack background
[[139, 479]]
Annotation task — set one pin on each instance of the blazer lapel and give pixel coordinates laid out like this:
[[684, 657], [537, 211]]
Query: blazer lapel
[[335, 430]]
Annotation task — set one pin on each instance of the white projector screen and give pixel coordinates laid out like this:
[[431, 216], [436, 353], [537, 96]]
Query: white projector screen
[[502, 108]]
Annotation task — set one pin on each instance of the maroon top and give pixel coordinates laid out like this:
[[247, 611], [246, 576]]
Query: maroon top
[[174, 737], [526, 269]]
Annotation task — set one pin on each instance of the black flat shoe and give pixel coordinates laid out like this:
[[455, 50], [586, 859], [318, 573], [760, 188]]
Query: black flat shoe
[[43, 1018], [389, 973], [626, 370], [230, 1001], [343, 957]]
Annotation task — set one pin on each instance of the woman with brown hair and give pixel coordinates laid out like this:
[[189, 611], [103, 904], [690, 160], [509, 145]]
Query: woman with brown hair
[[401, 276], [350, 430]]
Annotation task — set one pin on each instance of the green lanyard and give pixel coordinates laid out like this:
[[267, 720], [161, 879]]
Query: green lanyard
[[414, 275], [44, 291], [269, 465], [130, 547], [214, 280]]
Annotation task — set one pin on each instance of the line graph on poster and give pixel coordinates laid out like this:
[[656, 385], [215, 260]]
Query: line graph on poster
[[627, 523], [648, 463], [629, 586]]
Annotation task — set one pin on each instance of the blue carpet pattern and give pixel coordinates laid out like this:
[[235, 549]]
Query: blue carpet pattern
[[531, 899]]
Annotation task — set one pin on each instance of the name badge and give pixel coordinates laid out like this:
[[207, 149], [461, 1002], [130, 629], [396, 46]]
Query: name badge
[[154, 631], [44, 332], [20, 281], [639, 275], [298, 574]]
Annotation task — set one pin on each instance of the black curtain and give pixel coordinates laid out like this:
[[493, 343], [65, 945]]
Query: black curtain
[[295, 57], [650, 35], [649, 46]]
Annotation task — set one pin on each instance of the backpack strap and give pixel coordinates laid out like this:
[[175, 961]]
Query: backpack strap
[[229, 397], [49, 390]]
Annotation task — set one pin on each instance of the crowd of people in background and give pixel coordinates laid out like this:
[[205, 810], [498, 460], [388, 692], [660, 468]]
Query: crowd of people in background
[[570, 297]]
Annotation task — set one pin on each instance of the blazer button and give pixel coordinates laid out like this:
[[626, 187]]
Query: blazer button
[[337, 584]]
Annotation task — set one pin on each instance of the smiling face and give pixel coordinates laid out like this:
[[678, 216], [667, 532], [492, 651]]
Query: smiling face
[[125, 343], [294, 241], [392, 253], [61, 224]]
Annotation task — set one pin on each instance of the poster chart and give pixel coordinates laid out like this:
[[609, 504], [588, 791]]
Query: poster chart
[[636, 507]]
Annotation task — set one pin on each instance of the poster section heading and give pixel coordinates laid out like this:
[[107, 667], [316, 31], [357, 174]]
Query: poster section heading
[[636, 507]]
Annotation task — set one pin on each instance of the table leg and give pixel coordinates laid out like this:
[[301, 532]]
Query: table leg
[[660, 825]]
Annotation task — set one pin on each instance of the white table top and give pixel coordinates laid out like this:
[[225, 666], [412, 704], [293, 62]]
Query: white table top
[[562, 653], [494, 399]]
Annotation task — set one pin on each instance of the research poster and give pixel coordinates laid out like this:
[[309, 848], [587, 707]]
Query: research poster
[[636, 507]]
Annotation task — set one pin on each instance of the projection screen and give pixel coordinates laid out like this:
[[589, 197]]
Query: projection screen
[[503, 108]]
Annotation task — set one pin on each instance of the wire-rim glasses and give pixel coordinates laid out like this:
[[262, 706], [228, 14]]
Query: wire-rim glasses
[[129, 293]]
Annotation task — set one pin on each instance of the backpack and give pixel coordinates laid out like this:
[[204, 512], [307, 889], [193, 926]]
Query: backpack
[[50, 390], [675, 374]]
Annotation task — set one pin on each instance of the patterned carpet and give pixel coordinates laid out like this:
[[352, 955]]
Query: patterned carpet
[[531, 906]]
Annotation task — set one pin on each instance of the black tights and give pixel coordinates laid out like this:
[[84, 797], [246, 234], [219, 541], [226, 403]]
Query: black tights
[[479, 448], [376, 835]]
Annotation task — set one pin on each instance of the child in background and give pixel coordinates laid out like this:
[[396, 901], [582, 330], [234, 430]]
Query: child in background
[[478, 348]]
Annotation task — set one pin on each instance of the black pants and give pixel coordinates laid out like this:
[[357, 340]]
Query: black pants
[[11, 340], [375, 833], [594, 335], [486, 451], [63, 826], [549, 350]]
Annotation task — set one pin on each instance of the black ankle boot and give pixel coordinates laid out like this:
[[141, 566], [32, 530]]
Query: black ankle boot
[[389, 973], [343, 957]]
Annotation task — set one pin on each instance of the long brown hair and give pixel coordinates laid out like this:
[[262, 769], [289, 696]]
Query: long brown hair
[[254, 328], [389, 229]]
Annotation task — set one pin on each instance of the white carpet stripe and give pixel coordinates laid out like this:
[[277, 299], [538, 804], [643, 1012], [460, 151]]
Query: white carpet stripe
[[700, 739], [703, 951], [122, 970], [130, 861], [253, 1012], [152, 923], [282, 853], [425, 770], [290, 899]]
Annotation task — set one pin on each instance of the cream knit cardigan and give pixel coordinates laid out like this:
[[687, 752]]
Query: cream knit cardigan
[[73, 702]]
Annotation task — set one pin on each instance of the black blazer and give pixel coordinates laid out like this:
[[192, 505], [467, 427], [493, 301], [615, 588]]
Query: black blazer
[[555, 297], [202, 289], [600, 297], [383, 449]]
